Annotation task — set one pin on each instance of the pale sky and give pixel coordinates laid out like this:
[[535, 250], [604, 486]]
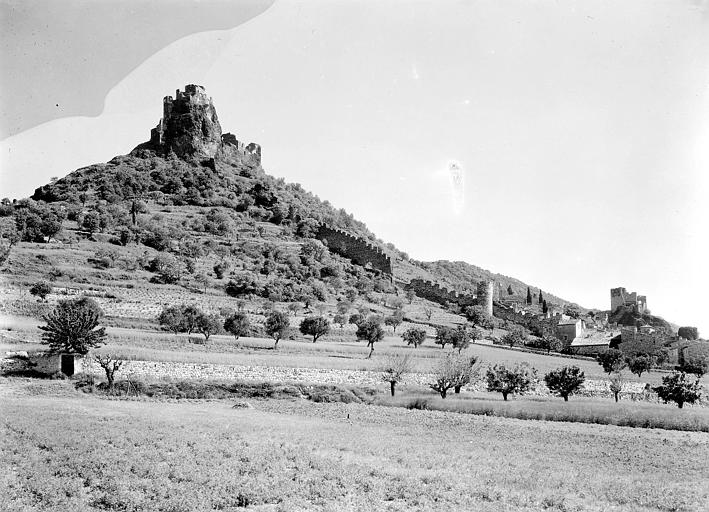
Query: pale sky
[[562, 143]]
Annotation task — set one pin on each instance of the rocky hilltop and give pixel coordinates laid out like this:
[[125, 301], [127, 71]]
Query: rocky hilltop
[[201, 196], [189, 128]]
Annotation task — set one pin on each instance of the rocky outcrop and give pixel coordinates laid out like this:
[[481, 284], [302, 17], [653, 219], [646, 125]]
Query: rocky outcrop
[[190, 129]]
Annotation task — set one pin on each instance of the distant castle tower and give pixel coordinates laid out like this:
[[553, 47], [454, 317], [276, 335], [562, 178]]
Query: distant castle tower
[[621, 297], [485, 295]]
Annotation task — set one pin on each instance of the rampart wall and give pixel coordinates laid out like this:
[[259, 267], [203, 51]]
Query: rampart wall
[[439, 294], [356, 249]]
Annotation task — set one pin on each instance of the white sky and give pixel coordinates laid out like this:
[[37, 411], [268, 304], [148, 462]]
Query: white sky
[[581, 130]]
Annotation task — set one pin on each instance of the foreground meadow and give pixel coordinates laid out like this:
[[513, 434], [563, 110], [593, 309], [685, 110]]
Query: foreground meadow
[[61, 450]]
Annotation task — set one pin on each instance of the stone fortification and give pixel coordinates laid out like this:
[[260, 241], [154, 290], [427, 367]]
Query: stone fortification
[[190, 128], [622, 297], [485, 294], [356, 249], [439, 294]]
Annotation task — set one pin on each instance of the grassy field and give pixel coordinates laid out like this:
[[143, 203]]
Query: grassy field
[[64, 451], [147, 345], [578, 409]]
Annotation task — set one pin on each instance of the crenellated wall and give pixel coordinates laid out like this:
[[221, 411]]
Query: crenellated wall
[[358, 250], [439, 294]]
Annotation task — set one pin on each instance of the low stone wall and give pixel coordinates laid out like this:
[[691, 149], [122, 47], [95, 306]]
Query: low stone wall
[[154, 369]]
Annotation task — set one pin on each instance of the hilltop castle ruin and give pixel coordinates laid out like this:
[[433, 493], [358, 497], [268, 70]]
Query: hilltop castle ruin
[[190, 128], [621, 297]]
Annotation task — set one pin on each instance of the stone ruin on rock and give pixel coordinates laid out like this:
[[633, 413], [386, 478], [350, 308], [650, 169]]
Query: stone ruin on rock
[[190, 129], [622, 297], [356, 249]]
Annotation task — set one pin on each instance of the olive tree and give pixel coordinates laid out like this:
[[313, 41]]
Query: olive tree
[[207, 325], [315, 326], [394, 368], [237, 324], [277, 325], [414, 336], [565, 381], [41, 289], [612, 360], [679, 389], [640, 363], [510, 381], [371, 331]]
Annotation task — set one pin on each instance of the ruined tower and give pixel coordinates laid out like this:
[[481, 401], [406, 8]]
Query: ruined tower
[[485, 294]]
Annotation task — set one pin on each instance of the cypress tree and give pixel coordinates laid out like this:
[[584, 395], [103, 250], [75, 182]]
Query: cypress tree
[[541, 297], [529, 296], [545, 308], [510, 291]]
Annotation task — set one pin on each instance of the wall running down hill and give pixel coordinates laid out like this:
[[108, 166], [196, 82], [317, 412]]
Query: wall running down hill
[[356, 249], [438, 294]]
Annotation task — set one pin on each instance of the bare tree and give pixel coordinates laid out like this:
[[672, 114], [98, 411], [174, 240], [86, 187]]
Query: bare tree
[[110, 366], [394, 368]]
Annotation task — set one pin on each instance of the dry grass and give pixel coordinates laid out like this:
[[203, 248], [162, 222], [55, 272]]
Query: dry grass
[[66, 452], [578, 410]]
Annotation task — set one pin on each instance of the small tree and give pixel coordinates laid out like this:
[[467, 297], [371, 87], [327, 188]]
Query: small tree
[[464, 370], [394, 368], [41, 289], [444, 375], [190, 315], [371, 331], [203, 280], [110, 366], [220, 269], [72, 327], [460, 338], [394, 320], [356, 318], [414, 336], [516, 336], [616, 385], [277, 325], [340, 319], [612, 360], [237, 324], [510, 291], [688, 333], [428, 312], [550, 343], [444, 336], [564, 381], [640, 363], [315, 326], [678, 388], [208, 325], [478, 316], [697, 365], [510, 381], [171, 319], [410, 295]]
